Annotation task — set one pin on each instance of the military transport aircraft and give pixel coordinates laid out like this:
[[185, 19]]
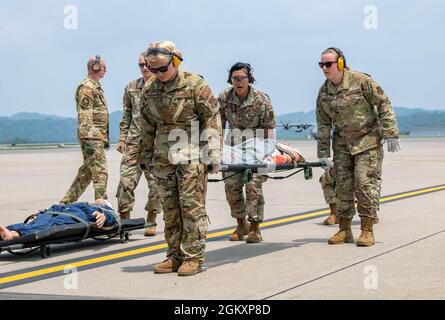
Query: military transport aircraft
[[299, 127]]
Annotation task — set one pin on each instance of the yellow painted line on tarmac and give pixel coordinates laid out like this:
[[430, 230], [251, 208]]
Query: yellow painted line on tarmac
[[81, 263], [295, 218], [129, 253], [273, 222], [412, 193]]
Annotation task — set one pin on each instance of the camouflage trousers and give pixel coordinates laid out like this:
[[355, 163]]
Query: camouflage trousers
[[182, 189], [358, 176], [252, 204], [327, 182], [130, 174], [94, 168]]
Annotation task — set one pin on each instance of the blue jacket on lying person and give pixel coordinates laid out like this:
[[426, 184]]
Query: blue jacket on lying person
[[100, 212]]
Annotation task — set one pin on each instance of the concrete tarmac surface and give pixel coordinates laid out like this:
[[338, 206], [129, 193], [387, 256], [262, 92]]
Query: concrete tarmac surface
[[293, 262]]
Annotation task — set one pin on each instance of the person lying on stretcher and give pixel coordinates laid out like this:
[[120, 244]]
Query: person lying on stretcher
[[256, 150], [100, 212]]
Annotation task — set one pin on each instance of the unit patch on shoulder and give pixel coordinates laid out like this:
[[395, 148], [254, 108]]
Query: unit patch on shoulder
[[380, 90], [205, 93], [85, 102]]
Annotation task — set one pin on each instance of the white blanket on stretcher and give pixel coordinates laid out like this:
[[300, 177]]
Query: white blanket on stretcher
[[254, 151]]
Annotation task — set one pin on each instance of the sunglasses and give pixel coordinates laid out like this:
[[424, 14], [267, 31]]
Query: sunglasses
[[239, 79], [160, 69], [141, 65], [327, 64]]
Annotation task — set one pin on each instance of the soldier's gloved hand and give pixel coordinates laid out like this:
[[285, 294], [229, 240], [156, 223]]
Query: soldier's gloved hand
[[325, 163], [107, 145], [393, 144], [89, 147], [121, 147]]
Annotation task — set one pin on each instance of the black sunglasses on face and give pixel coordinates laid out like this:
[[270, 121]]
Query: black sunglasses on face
[[239, 79], [141, 65], [326, 64], [160, 69]]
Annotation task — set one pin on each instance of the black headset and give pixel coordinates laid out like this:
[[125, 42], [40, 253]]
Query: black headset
[[96, 65], [239, 66]]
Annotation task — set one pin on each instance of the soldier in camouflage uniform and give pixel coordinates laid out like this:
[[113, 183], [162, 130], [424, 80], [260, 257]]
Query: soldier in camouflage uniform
[[128, 146], [327, 182], [248, 112], [92, 133], [179, 104], [362, 116]]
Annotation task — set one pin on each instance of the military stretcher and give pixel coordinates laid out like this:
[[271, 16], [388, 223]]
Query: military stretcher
[[247, 170], [264, 157], [75, 232]]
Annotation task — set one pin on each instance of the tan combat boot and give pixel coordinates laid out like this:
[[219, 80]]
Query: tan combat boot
[[366, 238], [345, 233], [189, 268], [241, 230], [168, 266], [151, 218], [254, 235], [333, 217], [125, 216]]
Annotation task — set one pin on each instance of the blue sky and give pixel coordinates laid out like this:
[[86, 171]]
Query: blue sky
[[43, 62]]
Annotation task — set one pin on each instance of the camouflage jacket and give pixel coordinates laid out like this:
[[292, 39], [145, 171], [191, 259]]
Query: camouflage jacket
[[185, 103], [255, 112], [358, 109], [130, 123], [92, 112]]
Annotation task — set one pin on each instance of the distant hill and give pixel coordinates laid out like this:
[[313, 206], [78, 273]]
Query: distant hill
[[34, 116], [26, 127], [415, 121], [310, 116], [38, 128]]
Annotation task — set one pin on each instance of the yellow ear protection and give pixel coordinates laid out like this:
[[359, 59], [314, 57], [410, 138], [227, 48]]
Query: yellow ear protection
[[177, 58], [176, 55], [341, 60], [96, 65], [239, 66]]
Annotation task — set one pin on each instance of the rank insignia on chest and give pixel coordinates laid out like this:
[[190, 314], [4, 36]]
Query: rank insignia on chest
[[152, 94], [183, 94]]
